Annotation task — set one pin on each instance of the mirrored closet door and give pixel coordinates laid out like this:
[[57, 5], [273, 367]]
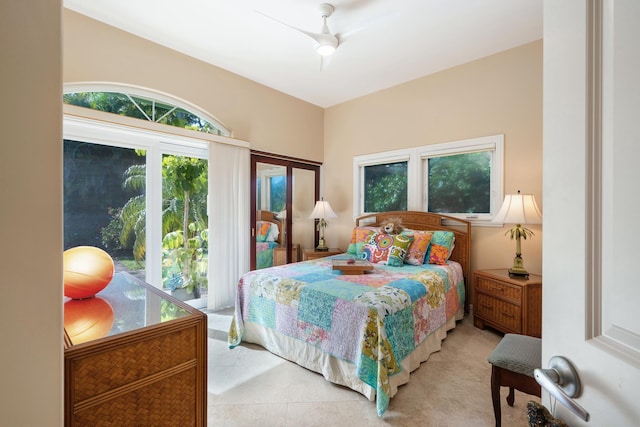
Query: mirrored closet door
[[283, 194]]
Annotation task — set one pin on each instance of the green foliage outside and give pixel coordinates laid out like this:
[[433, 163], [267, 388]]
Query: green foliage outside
[[140, 108], [460, 183], [185, 242], [385, 187], [278, 193], [110, 234], [184, 200]]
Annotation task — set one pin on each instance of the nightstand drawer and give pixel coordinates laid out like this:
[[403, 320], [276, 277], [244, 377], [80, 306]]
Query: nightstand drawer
[[495, 288], [503, 313]]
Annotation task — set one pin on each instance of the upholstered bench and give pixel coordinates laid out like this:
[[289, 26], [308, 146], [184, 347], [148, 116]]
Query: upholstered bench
[[512, 364]]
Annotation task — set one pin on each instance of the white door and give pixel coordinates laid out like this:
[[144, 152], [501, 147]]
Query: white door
[[591, 169]]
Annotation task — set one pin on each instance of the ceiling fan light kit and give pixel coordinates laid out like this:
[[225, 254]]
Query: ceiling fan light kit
[[327, 46], [327, 42]]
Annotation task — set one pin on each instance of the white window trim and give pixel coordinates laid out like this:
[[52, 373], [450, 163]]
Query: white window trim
[[416, 173], [156, 144], [359, 162]]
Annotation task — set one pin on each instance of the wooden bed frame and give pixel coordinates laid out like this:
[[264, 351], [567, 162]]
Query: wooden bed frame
[[417, 220]]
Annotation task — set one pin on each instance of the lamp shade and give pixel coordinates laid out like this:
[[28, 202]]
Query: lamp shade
[[283, 214], [322, 210], [519, 209]]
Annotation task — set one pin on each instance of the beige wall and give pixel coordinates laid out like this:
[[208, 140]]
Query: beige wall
[[31, 214], [499, 94], [268, 119]]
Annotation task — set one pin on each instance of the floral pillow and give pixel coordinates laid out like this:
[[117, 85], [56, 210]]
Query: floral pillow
[[389, 249], [419, 247], [358, 237], [440, 248]]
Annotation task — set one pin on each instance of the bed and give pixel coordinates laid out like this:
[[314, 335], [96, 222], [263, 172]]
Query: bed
[[367, 332], [268, 237]]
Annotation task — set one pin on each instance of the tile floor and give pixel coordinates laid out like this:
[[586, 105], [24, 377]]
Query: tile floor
[[249, 386]]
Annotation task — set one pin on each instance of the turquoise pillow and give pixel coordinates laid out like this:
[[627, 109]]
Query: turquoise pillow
[[440, 247]]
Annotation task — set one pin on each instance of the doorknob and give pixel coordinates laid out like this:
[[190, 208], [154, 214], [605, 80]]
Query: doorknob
[[562, 382]]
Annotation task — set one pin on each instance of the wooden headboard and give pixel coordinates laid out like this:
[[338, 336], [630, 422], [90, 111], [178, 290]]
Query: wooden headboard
[[417, 220], [271, 217]]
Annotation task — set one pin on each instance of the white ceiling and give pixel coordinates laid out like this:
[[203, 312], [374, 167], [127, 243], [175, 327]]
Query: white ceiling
[[382, 42]]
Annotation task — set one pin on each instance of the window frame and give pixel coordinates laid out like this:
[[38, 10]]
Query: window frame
[[417, 176], [156, 143], [149, 94]]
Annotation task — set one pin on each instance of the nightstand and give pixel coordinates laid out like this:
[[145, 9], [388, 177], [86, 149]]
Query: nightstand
[[507, 303], [313, 254], [280, 254]]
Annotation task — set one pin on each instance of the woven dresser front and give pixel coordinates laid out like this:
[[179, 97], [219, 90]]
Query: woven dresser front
[[153, 375]]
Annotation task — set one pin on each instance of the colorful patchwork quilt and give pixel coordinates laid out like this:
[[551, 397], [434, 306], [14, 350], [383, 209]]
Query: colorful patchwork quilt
[[372, 320], [264, 254]]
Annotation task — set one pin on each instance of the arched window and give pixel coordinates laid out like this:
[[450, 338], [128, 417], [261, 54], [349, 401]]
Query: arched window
[[130, 189], [142, 104]]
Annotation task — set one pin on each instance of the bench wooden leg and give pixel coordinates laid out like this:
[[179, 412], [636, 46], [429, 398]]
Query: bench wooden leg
[[504, 378], [495, 393], [510, 397]]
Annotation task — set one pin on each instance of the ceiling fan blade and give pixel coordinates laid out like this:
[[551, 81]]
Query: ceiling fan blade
[[371, 22], [315, 36], [325, 61]]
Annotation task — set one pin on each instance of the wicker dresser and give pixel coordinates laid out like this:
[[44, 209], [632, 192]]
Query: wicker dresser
[[134, 356]]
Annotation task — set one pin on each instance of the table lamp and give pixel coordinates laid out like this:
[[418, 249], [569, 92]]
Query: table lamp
[[321, 211], [519, 209]]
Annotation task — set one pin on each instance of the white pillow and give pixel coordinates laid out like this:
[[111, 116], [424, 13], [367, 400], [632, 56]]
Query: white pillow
[[273, 234]]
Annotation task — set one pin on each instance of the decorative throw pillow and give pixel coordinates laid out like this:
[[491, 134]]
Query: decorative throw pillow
[[389, 249], [262, 230], [440, 248], [358, 237], [419, 247], [274, 232]]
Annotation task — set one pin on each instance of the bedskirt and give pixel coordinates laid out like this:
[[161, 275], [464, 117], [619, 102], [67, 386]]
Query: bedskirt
[[340, 371]]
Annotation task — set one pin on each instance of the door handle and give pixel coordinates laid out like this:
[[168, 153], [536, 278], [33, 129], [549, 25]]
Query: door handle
[[562, 382]]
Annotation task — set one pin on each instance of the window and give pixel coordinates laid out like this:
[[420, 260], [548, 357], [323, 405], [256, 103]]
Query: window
[[460, 178], [140, 192], [144, 105], [459, 183], [385, 187]]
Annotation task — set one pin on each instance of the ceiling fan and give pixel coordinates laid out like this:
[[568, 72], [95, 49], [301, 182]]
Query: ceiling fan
[[327, 42]]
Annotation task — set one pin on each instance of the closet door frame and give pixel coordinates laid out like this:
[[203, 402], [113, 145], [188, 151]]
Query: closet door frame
[[290, 163]]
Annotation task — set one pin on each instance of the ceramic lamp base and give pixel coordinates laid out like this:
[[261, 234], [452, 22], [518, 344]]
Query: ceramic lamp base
[[518, 268], [321, 246]]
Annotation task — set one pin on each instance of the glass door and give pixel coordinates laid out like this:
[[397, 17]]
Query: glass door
[[142, 198], [185, 226], [270, 215], [105, 203], [283, 193]]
